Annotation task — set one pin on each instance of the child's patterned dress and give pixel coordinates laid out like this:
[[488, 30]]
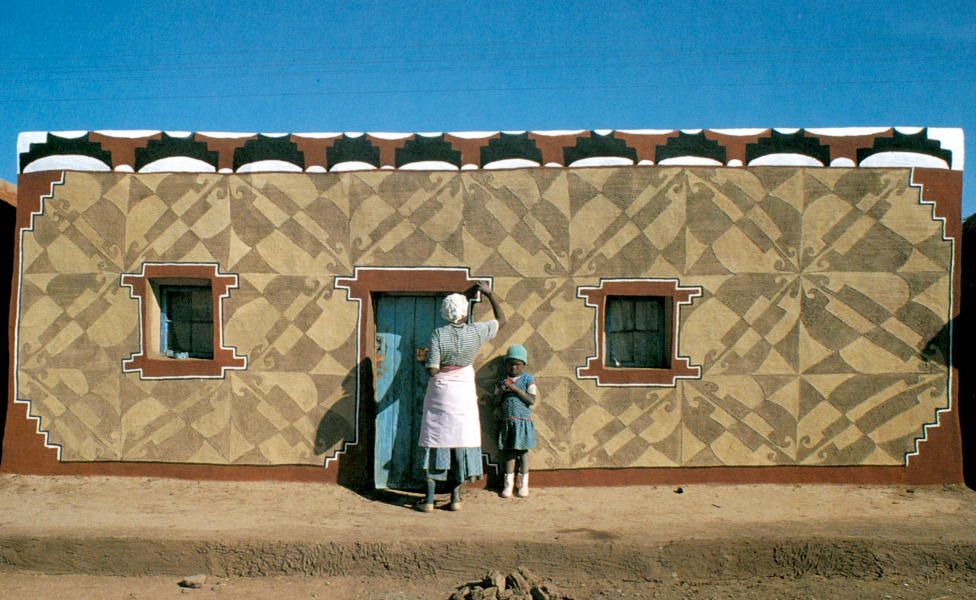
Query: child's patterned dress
[[516, 430]]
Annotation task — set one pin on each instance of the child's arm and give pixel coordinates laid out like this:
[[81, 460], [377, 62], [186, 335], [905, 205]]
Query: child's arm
[[499, 394], [527, 398]]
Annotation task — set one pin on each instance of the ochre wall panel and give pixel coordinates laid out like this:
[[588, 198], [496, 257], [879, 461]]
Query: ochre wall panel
[[826, 294]]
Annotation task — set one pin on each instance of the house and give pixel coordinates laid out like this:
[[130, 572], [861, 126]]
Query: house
[[705, 306]]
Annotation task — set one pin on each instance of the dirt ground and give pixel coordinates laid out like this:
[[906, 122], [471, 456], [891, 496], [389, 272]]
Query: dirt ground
[[87, 587], [128, 538], [229, 511]]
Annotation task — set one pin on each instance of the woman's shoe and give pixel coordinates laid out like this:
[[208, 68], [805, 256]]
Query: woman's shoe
[[509, 485], [423, 507], [523, 486], [456, 506]]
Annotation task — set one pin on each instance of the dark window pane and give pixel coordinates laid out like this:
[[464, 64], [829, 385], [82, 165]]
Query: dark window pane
[[620, 315], [642, 350], [179, 336], [658, 359], [648, 349], [180, 307], [647, 314], [202, 339], [188, 315], [619, 349], [635, 333], [202, 305]]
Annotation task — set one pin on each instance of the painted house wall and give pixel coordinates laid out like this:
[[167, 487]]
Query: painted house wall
[[823, 296]]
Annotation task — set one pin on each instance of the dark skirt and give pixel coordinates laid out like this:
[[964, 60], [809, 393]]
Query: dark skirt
[[516, 434], [465, 466]]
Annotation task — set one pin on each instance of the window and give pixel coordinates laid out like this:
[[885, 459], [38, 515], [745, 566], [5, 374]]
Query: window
[[186, 321], [181, 331], [636, 336], [636, 332]]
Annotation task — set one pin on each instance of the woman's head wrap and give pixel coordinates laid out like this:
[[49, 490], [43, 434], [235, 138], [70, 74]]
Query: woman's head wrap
[[454, 307]]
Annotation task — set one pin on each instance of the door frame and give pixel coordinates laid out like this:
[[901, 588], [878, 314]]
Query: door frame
[[361, 288]]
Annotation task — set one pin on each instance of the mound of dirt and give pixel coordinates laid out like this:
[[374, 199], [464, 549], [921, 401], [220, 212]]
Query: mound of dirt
[[520, 584]]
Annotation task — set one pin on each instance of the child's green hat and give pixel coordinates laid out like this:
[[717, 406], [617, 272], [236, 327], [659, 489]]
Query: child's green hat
[[518, 352]]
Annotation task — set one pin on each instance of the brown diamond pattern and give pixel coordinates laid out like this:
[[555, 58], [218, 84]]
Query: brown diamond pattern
[[822, 290]]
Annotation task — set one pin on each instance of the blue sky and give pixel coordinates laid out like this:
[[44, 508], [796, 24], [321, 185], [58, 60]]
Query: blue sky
[[296, 66]]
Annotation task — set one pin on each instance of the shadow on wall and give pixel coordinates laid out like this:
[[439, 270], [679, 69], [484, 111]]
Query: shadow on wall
[[939, 350], [963, 328], [486, 377], [355, 466], [8, 215]]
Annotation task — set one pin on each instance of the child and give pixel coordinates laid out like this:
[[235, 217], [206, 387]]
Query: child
[[516, 393]]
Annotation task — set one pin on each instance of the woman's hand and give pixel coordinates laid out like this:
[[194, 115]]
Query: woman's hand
[[496, 308], [476, 288]]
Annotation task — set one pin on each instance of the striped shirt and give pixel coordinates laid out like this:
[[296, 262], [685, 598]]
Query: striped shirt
[[457, 345]]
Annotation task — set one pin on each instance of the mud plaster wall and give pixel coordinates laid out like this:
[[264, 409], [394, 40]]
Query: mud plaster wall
[[822, 292]]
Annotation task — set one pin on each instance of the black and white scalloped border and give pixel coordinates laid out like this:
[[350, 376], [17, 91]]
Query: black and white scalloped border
[[180, 151]]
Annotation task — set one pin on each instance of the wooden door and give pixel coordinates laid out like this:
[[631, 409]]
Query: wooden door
[[403, 324]]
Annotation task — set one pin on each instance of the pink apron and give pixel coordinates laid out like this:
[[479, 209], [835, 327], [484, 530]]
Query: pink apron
[[451, 418]]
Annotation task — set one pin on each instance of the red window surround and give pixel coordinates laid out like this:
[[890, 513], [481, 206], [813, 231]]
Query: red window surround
[[675, 296], [148, 361]]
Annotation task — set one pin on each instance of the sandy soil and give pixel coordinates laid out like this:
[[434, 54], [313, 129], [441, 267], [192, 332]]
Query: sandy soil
[[229, 511], [84, 587], [127, 538]]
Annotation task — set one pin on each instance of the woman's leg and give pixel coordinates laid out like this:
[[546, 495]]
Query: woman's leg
[[428, 504], [456, 500]]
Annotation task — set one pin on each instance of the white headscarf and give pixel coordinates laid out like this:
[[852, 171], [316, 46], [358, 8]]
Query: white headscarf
[[454, 307]]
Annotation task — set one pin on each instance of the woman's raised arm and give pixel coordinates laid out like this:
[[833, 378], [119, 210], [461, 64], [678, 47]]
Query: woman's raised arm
[[495, 306]]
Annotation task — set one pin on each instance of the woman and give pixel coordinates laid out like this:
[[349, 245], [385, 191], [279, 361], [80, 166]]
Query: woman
[[450, 431]]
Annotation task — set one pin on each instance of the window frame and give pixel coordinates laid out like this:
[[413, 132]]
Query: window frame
[[151, 361], [674, 295]]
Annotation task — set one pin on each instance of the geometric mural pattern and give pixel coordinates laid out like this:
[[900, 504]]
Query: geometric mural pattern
[[826, 293]]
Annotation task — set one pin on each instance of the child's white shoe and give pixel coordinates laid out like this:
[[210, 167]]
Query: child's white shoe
[[523, 485], [509, 485]]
